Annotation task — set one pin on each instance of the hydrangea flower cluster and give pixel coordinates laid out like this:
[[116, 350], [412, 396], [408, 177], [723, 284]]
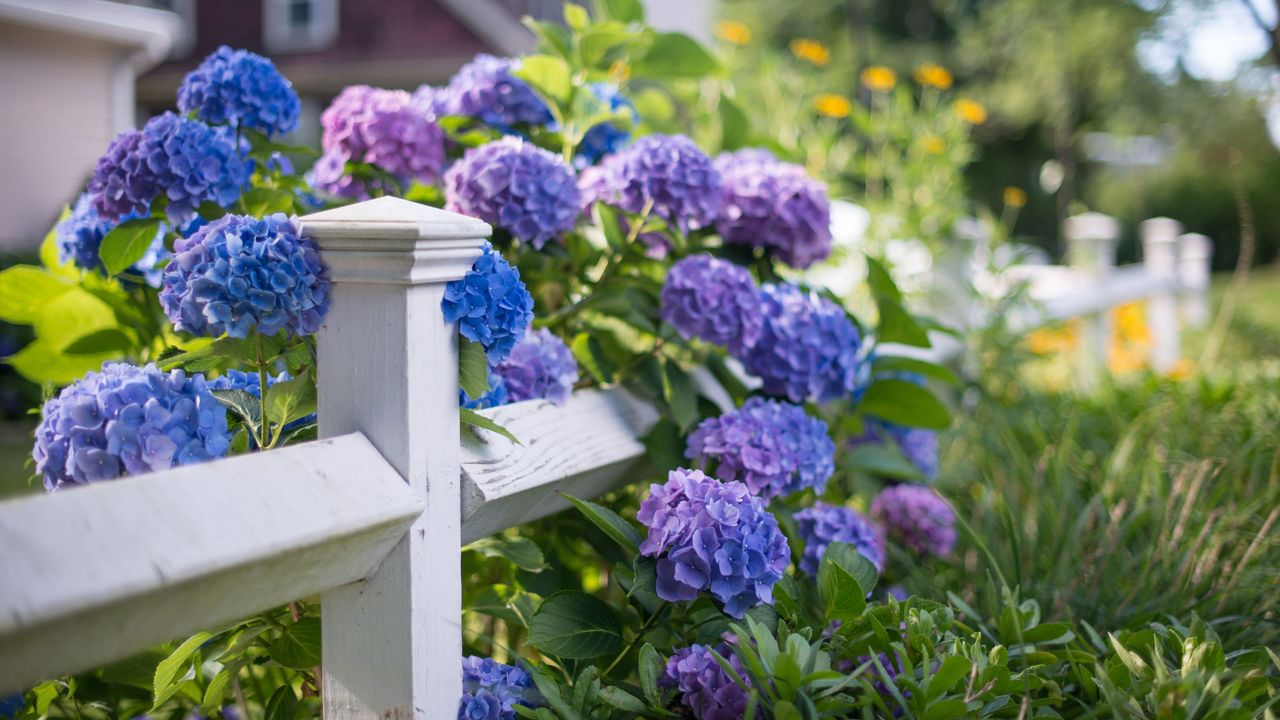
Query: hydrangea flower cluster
[[774, 447], [774, 205], [917, 517], [808, 348], [669, 171], [486, 89], [824, 524], [495, 396], [491, 305], [607, 137], [713, 536], [490, 690], [384, 128], [242, 89], [183, 160], [517, 186], [242, 273], [540, 367], [80, 236], [128, 420], [714, 300], [705, 688]]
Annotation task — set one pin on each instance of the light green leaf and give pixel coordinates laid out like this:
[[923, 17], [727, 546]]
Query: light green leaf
[[291, 400], [675, 55], [208, 356], [246, 406], [127, 243], [170, 672], [896, 325], [522, 552], [298, 645], [627, 11], [546, 74], [576, 626], [473, 419], [71, 316], [892, 363], [880, 281], [261, 201], [905, 403], [41, 364], [25, 290], [473, 369], [575, 16], [613, 525]]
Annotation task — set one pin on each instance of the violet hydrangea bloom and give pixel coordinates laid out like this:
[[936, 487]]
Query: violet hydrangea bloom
[[823, 524], [668, 171], [917, 517], [808, 347], [240, 273], [242, 89], [128, 420], [714, 300], [80, 235], [486, 89], [607, 137], [516, 186], [774, 205], [705, 688], [384, 128], [491, 690], [776, 448], [184, 160], [540, 367], [491, 305], [712, 535]]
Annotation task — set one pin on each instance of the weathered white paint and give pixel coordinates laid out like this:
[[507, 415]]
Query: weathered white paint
[[1195, 258], [388, 367], [95, 574], [1091, 249], [1160, 258], [586, 448]]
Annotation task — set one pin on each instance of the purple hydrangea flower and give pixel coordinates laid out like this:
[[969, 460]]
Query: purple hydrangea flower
[[774, 447], [242, 89], [495, 396], [774, 205], [668, 171], [184, 160], [823, 524], [491, 305], [917, 517], [705, 688], [128, 420], [80, 235], [808, 348], [607, 137], [491, 690], [516, 186], [713, 300], [240, 274], [384, 128], [541, 367], [486, 89], [714, 536]]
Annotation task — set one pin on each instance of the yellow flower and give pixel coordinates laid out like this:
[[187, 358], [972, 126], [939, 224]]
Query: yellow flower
[[811, 51], [834, 106], [1182, 369], [879, 78], [933, 145], [932, 75], [970, 111], [733, 32], [1015, 197], [1052, 340]]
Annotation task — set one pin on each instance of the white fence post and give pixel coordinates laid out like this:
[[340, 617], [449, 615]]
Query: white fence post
[[1091, 250], [1195, 258], [388, 367], [1160, 257]]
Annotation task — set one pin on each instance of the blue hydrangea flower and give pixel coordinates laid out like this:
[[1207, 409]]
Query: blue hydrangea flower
[[713, 300], [495, 396], [774, 205], [491, 690], [240, 274], [80, 236], [705, 688], [608, 137], [486, 89], [491, 305], [185, 161], [808, 348], [917, 517], [516, 186], [669, 171], [715, 536], [823, 524], [774, 447], [241, 89], [128, 420], [541, 367], [11, 704]]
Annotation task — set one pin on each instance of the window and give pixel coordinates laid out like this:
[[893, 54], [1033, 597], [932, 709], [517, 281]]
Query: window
[[299, 25]]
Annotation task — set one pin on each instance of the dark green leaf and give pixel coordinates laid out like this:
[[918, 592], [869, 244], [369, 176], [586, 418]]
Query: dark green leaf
[[735, 127], [681, 396], [651, 667], [589, 354], [665, 446], [471, 418], [262, 201], [891, 363], [948, 674], [246, 406], [613, 525], [522, 552], [291, 400], [283, 704], [897, 325], [138, 671], [298, 645], [621, 699], [576, 626], [675, 55], [882, 461], [905, 403], [842, 597], [880, 281], [127, 243], [473, 369]]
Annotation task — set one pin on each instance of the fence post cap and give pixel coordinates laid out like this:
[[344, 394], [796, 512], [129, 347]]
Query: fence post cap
[[1195, 245], [1159, 230], [1091, 226]]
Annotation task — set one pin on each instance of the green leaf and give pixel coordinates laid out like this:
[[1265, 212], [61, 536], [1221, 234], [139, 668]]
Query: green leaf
[[589, 354], [548, 75], [945, 709], [473, 419], [261, 201], [138, 671], [25, 290], [209, 356], [106, 340], [735, 127], [664, 446], [613, 525], [892, 363], [576, 626], [245, 405], [951, 671], [283, 704], [522, 552], [897, 325], [71, 316], [473, 369], [880, 281], [127, 243], [298, 645], [40, 363], [575, 16], [49, 249], [651, 667], [170, 672], [218, 686], [905, 403], [627, 11], [681, 397], [675, 55], [842, 597], [882, 461], [291, 400], [621, 699]]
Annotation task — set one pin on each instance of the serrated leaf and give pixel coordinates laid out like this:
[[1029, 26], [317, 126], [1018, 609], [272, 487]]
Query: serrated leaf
[[246, 406], [291, 400], [298, 645], [651, 667], [167, 679], [127, 243], [471, 418], [576, 626], [613, 525], [521, 552]]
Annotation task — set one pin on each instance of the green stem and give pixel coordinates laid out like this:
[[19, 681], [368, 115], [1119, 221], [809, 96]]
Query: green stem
[[648, 624], [264, 434]]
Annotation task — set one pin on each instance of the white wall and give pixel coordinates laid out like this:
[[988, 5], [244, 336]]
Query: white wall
[[692, 17]]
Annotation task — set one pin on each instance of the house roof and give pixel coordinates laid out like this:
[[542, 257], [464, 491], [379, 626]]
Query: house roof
[[151, 32]]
